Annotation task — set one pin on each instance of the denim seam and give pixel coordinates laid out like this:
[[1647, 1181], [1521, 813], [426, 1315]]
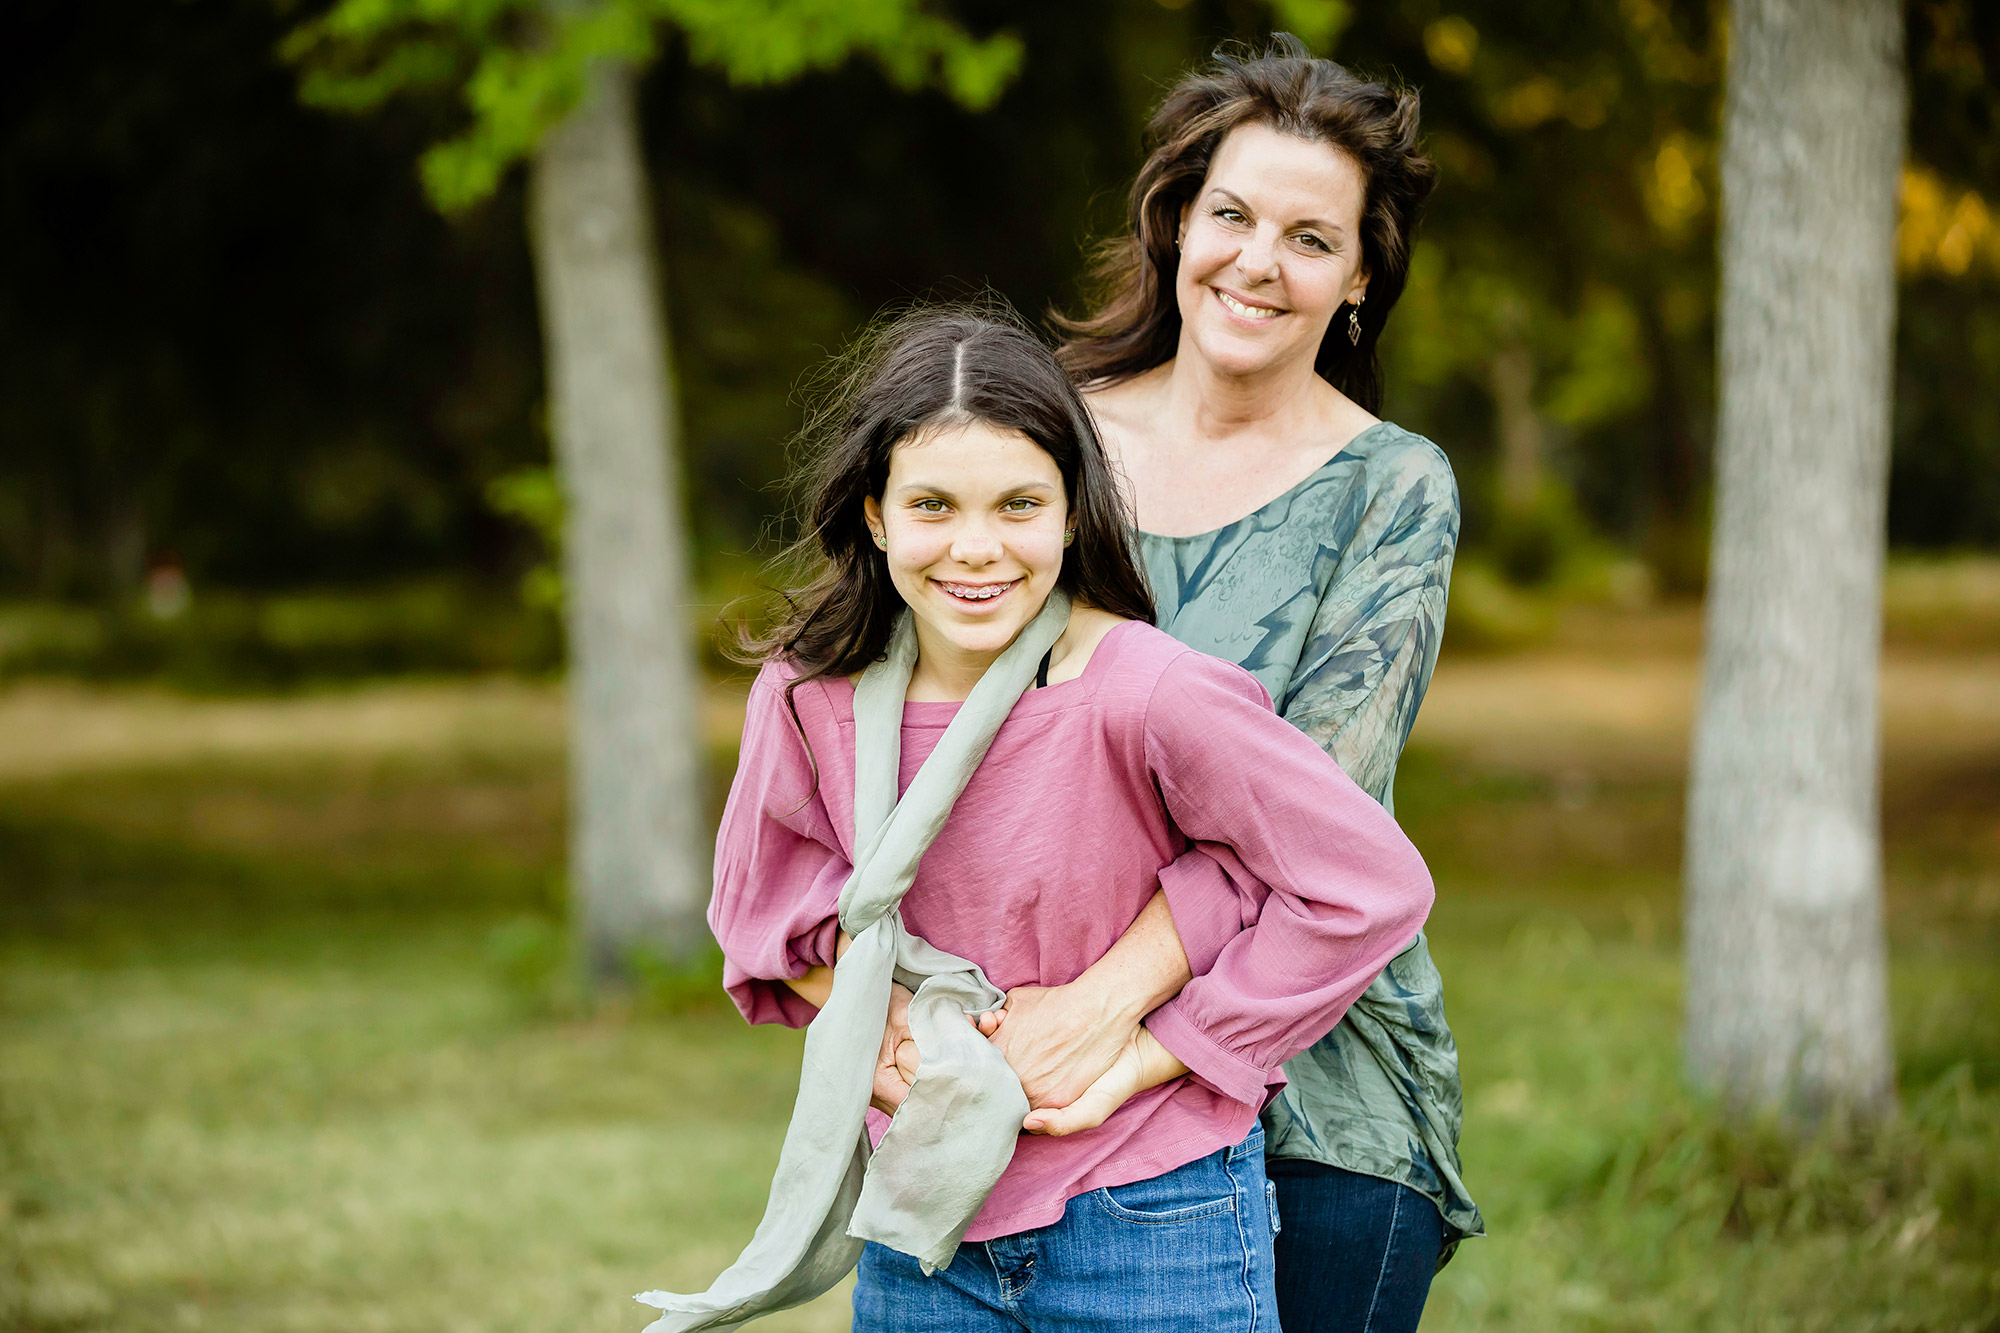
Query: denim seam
[[1192, 1213], [1388, 1248], [1243, 1239]]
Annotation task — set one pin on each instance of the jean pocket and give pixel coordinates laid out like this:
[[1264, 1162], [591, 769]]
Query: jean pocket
[[1199, 1189]]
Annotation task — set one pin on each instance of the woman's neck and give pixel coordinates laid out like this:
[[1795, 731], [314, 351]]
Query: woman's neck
[[1205, 403]]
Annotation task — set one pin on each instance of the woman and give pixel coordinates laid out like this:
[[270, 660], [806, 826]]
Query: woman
[[917, 798], [1232, 367]]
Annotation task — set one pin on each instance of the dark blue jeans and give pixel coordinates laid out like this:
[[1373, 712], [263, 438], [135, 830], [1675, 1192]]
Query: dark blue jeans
[[1355, 1254]]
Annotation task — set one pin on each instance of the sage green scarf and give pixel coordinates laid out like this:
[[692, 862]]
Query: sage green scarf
[[954, 1134]]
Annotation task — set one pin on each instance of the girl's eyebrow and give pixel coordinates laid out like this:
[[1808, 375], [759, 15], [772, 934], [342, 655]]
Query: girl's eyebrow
[[1317, 224], [921, 487]]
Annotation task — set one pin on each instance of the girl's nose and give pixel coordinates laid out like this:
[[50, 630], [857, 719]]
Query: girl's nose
[[974, 546]]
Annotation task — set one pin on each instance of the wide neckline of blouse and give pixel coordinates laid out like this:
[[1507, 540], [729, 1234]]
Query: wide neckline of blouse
[[1339, 455], [1042, 699]]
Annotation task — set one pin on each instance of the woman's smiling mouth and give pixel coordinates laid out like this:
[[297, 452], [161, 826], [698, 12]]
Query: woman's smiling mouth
[[1243, 309], [975, 594]]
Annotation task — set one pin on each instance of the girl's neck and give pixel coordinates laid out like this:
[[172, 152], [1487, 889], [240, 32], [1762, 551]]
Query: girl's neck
[[944, 672], [942, 676]]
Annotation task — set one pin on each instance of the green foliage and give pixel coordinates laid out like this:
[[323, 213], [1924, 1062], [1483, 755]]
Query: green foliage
[[520, 65], [225, 640], [533, 497], [1317, 23]]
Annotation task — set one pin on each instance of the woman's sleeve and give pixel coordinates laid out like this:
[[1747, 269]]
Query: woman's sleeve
[[778, 866], [1346, 890], [1374, 640]]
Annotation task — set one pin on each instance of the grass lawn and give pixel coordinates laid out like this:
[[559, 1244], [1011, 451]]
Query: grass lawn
[[266, 1062]]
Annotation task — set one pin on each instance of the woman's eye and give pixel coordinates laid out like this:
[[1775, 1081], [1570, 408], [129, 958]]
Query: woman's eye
[[1315, 243], [1229, 214]]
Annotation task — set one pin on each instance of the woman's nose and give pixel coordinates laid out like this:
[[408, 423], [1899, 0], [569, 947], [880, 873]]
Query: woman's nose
[[1257, 261]]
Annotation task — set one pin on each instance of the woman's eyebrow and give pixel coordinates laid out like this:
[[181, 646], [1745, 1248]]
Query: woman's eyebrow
[[1317, 224]]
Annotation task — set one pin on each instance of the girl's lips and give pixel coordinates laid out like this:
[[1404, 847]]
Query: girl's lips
[[975, 603]]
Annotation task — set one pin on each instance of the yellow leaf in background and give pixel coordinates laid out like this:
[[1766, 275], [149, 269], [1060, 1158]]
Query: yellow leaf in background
[[1942, 230], [1451, 43]]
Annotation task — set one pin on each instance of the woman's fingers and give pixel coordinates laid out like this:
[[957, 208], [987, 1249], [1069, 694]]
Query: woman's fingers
[[907, 1059], [890, 1089], [1086, 1112]]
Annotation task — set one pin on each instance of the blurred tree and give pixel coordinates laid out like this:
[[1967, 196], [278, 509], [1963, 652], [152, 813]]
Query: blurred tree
[[553, 80], [1787, 1004]]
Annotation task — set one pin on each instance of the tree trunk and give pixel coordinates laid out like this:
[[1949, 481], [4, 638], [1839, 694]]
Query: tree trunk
[[1511, 376], [1785, 977], [637, 874]]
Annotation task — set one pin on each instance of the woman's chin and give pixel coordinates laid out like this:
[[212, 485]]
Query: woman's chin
[[1241, 352]]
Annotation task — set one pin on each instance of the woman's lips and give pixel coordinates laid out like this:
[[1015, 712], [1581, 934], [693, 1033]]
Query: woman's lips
[[975, 597], [1245, 312]]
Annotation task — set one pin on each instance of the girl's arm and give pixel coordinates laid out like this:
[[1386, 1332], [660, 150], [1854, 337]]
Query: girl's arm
[[779, 866]]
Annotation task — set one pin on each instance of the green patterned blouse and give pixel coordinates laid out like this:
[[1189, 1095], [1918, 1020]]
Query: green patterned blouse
[[1333, 595]]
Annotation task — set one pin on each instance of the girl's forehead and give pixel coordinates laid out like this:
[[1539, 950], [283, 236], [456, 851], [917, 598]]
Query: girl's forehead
[[970, 451]]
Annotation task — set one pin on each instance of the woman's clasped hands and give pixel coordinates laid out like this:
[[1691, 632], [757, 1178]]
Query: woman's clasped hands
[[1076, 1063]]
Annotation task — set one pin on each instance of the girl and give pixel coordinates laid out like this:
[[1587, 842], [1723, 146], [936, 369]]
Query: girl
[[962, 505]]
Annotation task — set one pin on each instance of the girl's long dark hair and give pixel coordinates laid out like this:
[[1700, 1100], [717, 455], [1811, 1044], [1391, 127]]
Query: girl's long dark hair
[[934, 366], [1135, 323]]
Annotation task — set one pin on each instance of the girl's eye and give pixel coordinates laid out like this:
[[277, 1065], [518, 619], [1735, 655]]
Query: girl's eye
[[930, 506], [1020, 505]]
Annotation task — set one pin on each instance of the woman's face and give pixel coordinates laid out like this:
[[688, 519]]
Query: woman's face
[[1270, 249], [974, 519]]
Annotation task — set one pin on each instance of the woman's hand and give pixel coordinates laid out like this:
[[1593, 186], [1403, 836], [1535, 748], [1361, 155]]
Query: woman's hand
[[892, 1081], [1060, 1039], [1143, 1063]]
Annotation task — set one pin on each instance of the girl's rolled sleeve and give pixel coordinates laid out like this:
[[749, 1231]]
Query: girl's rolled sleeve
[[1346, 890], [778, 867]]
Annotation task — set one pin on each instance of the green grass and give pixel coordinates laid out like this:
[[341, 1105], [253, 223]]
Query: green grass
[[265, 1065]]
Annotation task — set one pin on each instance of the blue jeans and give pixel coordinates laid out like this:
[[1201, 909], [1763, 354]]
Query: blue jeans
[[1189, 1249], [1356, 1254]]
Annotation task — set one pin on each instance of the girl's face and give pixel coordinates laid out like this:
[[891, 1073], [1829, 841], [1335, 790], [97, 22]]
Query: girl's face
[[973, 517], [1270, 249]]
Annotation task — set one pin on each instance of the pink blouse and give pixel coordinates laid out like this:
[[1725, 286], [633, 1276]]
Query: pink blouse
[[1158, 767]]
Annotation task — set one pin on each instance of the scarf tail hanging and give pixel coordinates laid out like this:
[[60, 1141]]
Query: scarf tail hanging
[[921, 1189]]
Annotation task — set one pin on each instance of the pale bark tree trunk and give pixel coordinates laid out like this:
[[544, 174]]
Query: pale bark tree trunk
[[1785, 978], [637, 875], [1523, 443]]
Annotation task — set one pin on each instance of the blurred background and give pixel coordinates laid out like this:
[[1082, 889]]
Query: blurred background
[[287, 1035]]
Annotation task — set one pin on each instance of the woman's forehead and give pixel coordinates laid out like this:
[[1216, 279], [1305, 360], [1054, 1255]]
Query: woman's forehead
[[1274, 170]]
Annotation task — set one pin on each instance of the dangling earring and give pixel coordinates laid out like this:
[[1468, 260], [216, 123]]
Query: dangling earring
[[1354, 320]]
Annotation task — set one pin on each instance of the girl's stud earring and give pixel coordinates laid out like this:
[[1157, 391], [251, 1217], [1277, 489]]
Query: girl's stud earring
[[1069, 537], [881, 541]]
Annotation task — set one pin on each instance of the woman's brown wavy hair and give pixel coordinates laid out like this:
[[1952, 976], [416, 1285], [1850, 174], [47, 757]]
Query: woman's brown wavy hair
[[1135, 324]]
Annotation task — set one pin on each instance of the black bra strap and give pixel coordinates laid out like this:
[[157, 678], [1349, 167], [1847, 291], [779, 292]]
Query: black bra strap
[[1042, 671]]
